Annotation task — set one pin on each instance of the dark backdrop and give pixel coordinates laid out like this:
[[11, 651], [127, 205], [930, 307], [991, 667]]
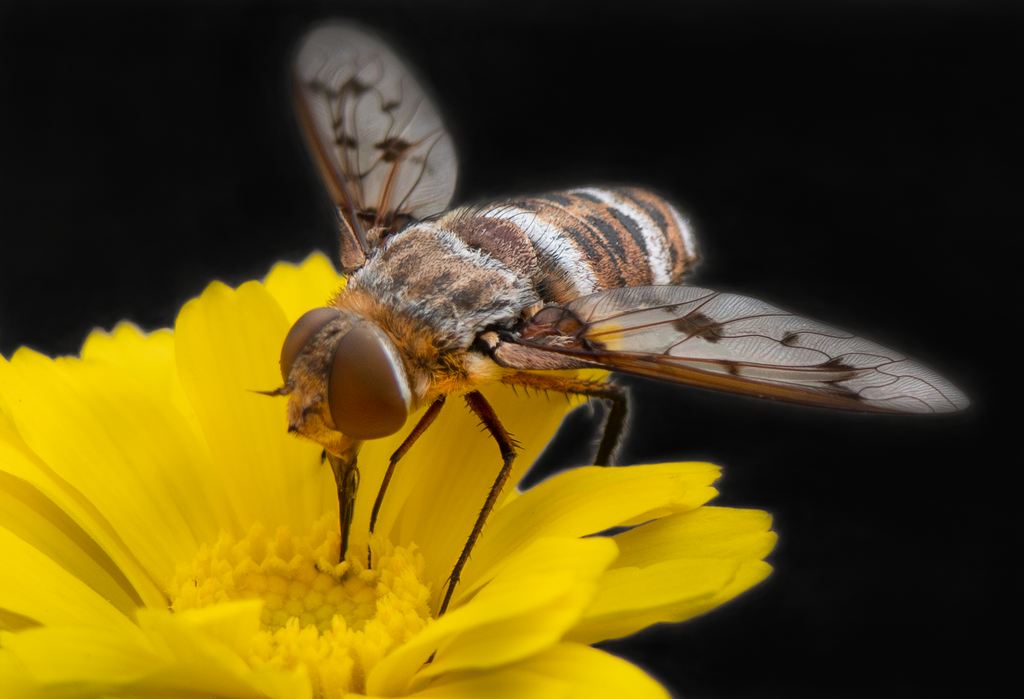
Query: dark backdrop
[[850, 161]]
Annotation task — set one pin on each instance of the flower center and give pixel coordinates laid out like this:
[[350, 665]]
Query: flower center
[[337, 619]]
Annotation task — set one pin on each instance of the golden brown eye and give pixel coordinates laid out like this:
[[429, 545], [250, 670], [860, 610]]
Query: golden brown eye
[[305, 327], [368, 395]]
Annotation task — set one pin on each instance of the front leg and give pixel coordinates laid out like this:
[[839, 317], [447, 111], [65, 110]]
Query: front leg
[[428, 418]]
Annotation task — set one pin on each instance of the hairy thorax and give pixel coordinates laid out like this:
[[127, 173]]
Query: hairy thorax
[[433, 294]]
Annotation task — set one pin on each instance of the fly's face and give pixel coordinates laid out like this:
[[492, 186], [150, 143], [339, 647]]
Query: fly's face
[[345, 380]]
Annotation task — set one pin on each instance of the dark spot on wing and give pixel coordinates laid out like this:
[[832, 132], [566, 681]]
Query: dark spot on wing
[[345, 141], [790, 339], [841, 371], [834, 389], [353, 86], [837, 364], [392, 148], [699, 325]]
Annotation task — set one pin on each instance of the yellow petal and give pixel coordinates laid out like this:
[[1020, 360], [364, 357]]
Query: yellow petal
[[44, 526], [526, 609], [299, 288], [593, 674], [119, 446], [505, 683], [232, 624], [195, 654], [147, 358], [205, 654], [566, 670], [33, 482], [634, 598], [227, 345], [35, 587], [16, 679], [150, 360], [586, 501], [720, 532], [96, 659], [677, 568]]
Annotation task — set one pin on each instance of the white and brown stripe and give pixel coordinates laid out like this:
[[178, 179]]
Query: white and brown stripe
[[589, 240]]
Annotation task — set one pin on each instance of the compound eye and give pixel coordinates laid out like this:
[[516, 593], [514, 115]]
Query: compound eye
[[304, 329], [367, 393]]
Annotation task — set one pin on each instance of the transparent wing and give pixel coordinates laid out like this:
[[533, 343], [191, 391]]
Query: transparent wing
[[737, 344], [378, 143]]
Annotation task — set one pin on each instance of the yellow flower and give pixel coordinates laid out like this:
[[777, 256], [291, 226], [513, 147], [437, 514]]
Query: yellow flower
[[163, 536]]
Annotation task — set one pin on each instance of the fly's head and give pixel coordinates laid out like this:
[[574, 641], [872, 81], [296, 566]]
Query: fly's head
[[345, 380]]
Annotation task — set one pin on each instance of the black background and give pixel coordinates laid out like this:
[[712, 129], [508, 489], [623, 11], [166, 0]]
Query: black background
[[854, 162]]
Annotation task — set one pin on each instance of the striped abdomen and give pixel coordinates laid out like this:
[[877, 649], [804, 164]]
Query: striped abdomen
[[582, 241]]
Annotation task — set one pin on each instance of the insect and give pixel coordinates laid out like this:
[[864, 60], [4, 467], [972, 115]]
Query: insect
[[440, 302]]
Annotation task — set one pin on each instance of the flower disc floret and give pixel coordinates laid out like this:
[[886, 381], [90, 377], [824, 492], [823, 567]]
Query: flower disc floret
[[338, 620]]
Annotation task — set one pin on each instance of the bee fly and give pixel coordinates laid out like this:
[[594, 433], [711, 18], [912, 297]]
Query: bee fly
[[439, 302]]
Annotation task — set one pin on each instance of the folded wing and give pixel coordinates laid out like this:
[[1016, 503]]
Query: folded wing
[[738, 344]]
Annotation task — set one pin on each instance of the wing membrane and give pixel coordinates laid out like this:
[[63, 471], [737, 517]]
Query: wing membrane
[[741, 345], [378, 143]]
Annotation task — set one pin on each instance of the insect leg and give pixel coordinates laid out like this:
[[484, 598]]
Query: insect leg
[[614, 425], [479, 405], [421, 427]]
